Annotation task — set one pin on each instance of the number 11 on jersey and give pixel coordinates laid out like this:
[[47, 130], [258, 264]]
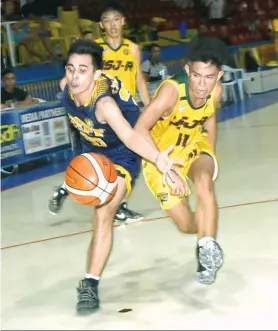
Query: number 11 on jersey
[[182, 139]]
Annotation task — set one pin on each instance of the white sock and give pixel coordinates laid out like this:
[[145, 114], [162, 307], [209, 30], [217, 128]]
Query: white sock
[[91, 276], [64, 186], [202, 241]]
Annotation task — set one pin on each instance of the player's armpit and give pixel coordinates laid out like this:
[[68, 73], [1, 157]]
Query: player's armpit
[[211, 128], [161, 105]]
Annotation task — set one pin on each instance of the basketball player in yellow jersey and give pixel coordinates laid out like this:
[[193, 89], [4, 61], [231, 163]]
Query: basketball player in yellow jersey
[[183, 113], [121, 57]]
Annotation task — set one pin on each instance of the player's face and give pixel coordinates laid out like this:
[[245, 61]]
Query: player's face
[[80, 73], [202, 78], [112, 22], [9, 81]]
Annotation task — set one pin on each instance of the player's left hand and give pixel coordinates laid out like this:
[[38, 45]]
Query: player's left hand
[[164, 163], [177, 183]]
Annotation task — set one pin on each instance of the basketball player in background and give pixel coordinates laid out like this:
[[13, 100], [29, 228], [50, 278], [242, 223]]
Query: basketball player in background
[[104, 112], [182, 113], [121, 59]]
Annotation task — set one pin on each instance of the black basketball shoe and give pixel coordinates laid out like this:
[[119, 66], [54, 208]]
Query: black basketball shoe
[[88, 301], [126, 215], [58, 197]]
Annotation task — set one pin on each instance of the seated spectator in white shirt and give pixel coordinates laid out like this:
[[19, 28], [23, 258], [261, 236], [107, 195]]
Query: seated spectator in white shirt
[[152, 69]]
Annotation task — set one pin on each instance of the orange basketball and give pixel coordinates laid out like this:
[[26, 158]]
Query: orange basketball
[[91, 179]]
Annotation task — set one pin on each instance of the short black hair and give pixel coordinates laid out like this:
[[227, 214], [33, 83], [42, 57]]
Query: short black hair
[[111, 6], [86, 46], [153, 46], [208, 49], [86, 32], [7, 71]]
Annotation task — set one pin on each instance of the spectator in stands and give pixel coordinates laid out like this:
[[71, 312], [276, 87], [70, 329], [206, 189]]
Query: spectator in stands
[[12, 96], [203, 30], [44, 8], [88, 35], [9, 11], [253, 22], [224, 34], [24, 35], [216, 9], [152, 68]]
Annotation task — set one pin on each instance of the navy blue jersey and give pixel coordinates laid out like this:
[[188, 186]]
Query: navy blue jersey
[[96, 136], [100, 138]]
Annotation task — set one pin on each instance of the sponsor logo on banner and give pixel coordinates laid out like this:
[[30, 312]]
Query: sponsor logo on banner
[[49, 130], [11, 139]]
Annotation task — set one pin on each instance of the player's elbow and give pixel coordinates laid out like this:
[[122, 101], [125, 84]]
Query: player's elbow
[[141, 78], [128, 137]]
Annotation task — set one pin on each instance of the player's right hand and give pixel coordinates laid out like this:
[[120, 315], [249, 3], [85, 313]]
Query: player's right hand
[[164, 163], [177, 183]]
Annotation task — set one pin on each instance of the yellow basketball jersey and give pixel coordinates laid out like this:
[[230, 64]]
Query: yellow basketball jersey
[[185, 125], [120, 63]]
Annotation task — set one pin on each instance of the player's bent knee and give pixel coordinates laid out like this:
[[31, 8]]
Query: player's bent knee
[[104, 215], [182, 217], [203, 183], [185, 227]]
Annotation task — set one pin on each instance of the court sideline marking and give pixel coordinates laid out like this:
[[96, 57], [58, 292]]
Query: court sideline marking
[[117, 225]]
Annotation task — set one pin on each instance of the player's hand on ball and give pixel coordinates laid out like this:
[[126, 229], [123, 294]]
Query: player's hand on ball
[[177, 183], [164, 163]]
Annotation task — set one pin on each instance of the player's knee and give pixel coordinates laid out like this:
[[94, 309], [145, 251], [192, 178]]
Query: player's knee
[[105, 217], [103, 222], [182, 217], [185, 227], [204, 184]]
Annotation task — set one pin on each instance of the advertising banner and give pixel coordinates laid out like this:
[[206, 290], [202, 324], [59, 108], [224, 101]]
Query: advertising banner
[[33, 132]]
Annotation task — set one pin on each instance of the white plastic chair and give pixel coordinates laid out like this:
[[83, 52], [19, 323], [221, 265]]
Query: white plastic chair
[[233, 77]]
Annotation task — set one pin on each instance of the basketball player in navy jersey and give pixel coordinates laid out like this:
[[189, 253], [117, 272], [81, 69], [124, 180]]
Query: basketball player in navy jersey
[[117, 50], [104, 113]]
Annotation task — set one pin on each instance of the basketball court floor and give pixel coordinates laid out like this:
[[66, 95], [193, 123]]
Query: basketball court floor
[[149, 283]]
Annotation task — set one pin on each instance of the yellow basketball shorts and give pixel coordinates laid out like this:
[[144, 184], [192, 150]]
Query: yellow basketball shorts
[[154, 178]]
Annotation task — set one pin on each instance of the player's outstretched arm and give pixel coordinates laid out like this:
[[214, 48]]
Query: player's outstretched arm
[[210, 124], [140, 79], [108, 112]]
